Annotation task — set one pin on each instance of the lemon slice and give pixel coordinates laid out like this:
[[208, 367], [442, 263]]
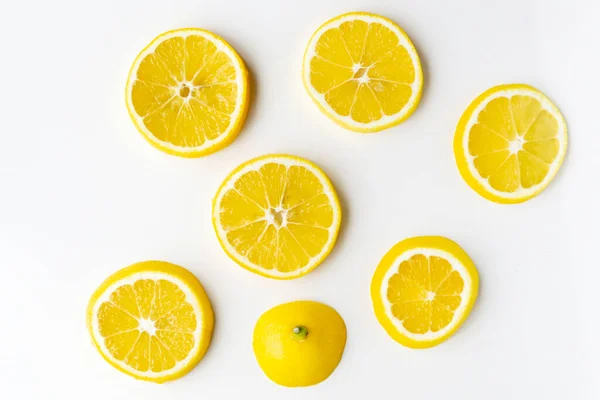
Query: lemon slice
[[187, 92], [510, 143], [151, 320], [277, 216], [363, 72], [423, 290]]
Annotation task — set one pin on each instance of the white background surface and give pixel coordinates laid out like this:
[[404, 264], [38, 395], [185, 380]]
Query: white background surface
[[82, 195]]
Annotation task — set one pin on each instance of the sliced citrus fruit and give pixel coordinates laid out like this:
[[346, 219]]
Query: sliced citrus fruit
[[363, 72], [187, 92], [151, 320], [423, 290], [277, 216], [510, 143]]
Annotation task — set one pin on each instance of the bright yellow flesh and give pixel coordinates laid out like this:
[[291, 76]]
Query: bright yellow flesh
[[425, 293], [148, 325], [185, 91], [277, 217], [514, 143], [362, 71]]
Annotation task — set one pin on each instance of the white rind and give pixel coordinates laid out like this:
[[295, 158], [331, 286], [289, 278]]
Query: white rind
[[287, 162], [458, 313], [561, 136], [320, 98], [239, 80], [130, 280]]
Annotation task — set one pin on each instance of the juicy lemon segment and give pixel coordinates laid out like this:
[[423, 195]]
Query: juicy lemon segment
[[151, 320], [277, 216], [187, 92], [423, 290], [510, 143], [363, 72]]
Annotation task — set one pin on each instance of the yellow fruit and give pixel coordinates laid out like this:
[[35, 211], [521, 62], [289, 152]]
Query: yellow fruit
[[510, 143], [299, 343], [363, 72], [151, 320], [187, 92], [423, 290], [277, 216]]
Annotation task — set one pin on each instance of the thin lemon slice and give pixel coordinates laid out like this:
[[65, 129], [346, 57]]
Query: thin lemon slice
[[187, 92], [423, 290], [510, 143], [363, 72], [151, 320], [277, 216]]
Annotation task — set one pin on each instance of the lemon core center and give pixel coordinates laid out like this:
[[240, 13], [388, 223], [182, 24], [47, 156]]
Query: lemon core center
[[184, 90], [276, 216], [360, 72], [147, 325], [516, 145]]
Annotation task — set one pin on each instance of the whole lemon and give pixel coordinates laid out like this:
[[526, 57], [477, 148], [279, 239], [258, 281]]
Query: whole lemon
[[299, 343]]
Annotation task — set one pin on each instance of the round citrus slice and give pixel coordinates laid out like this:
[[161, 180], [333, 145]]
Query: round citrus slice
[[151, 320], [510, 143], [363, 72], [277, 216], [423, 290], [187, 92]]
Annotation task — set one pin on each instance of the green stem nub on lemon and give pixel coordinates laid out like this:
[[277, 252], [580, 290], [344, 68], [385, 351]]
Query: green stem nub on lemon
[[291, 355], [299, 333]]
